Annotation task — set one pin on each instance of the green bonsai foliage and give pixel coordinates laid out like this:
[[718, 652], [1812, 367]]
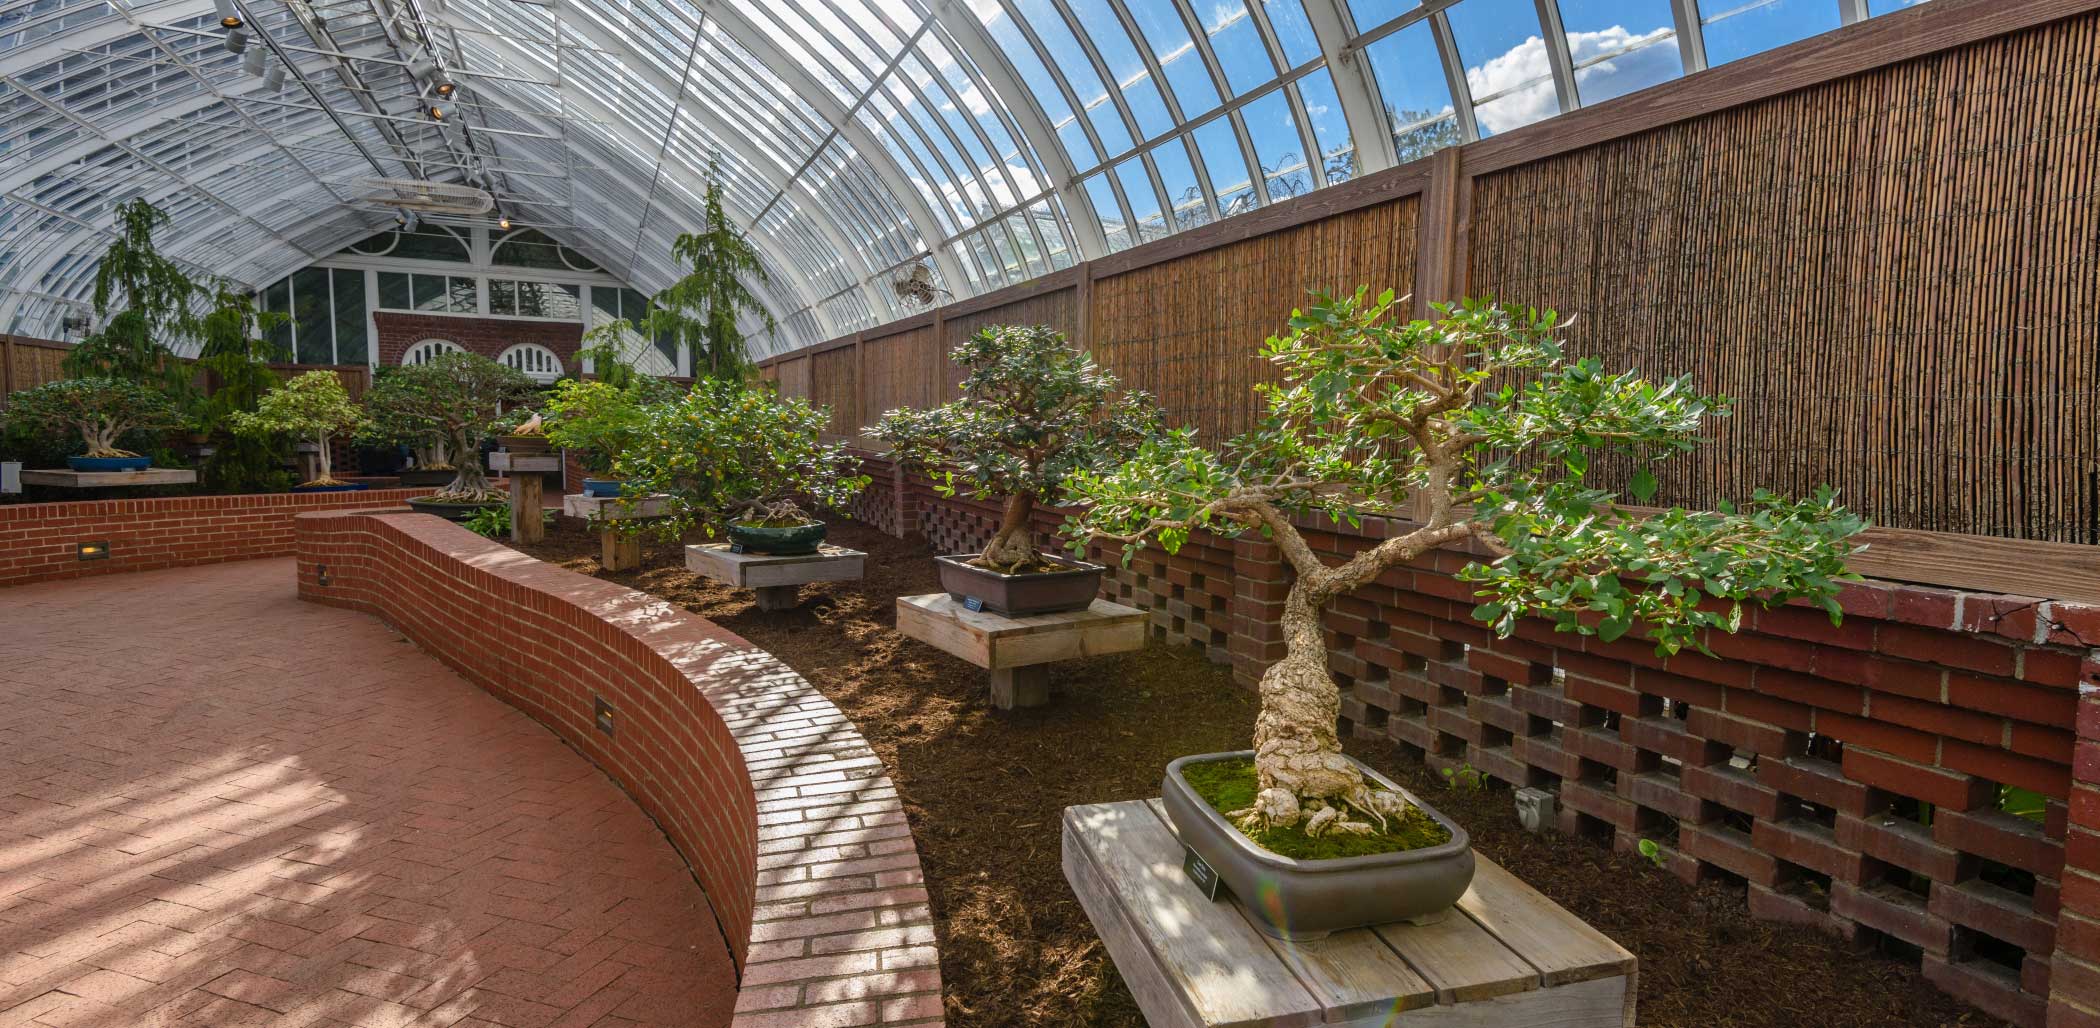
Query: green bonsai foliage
[[314, 407], [156, 297], [101, 410], [236, 361], [1427, 422], [1033, 413], [599, 421], [443, 408], [727, 452]]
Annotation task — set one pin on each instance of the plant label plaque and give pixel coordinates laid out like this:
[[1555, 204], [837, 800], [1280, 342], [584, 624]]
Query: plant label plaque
[[736, 547], [972, 604], [1200, 872]]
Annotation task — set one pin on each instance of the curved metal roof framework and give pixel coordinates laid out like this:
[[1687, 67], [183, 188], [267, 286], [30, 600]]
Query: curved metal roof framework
[[995, 139]]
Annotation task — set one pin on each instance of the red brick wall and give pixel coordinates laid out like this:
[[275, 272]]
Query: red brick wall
[[1845, 776], [488, 337], [38, 540], [776, 802]]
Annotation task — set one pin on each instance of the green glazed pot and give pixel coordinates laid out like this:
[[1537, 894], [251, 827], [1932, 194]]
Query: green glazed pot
[[793, 541]]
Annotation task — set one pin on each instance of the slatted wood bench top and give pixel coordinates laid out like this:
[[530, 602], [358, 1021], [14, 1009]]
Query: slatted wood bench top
[[1507, 957], [996, 641]]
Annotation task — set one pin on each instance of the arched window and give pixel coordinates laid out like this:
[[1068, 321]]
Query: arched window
[[429, 350], [536, 361], [531, 248]]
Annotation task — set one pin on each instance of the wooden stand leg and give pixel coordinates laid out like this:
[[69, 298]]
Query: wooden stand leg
[[778, 597], [526, 525], [619, 551], [1025, 686]]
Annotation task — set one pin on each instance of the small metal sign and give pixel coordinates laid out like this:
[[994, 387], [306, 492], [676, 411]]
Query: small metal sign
[[736, 547], [972, 603], [1200, 872]]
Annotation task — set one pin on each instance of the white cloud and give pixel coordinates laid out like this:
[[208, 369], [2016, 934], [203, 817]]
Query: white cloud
[[1524, 77]]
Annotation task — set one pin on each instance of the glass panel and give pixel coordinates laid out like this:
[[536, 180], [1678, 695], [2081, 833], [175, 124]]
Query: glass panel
[[1324, 109], [1504, 54], [528, 248], [1287, 19], [1168, 35], [1739, 28], [1369, 14], [278, 298], [351, 344], [543, 300], [1171, 159], [503, 296], [1113, 224], [1067, 56], [1144, 204], [1885, 6], [312, 315], [1619, 46], [430, 243], [1128, 68], [394, 291], [1030, 67], [1238, 46], [430, 293], [374, 246], [1417, 99], [1277, 146], [465, 297], [1229, 181]]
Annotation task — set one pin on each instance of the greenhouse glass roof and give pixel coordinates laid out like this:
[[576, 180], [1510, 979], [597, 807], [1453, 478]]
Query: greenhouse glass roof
[[994, 140]]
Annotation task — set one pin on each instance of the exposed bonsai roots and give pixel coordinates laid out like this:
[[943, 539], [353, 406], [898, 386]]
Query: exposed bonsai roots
[[1012, 548]]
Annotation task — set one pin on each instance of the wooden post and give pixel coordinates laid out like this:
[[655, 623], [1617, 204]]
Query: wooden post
[[1439, 253], [619, 551], [1083, 312], [7, 367], [860, 388], [526, 525]]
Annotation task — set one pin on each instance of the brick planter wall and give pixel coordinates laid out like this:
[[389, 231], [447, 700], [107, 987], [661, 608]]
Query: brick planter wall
[[776, 802], [1847, 777], [38, 540]]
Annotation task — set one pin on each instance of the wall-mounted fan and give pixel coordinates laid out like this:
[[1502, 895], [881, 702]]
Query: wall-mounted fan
[[915, 286], [427, 197]]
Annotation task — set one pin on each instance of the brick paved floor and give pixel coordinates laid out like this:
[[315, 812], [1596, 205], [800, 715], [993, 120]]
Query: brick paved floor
[[240, 809]]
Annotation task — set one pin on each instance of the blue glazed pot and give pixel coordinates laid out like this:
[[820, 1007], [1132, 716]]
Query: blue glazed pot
[[603, 486], [347, 487], [109, 463]]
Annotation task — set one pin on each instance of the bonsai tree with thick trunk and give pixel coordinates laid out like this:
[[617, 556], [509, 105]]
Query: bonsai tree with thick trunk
[[313, 406], [726, 452], [1478, 431], [1033, 412], [101, 410], [445, 406]]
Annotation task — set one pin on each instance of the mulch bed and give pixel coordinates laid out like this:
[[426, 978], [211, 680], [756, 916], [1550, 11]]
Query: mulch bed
[[985, 790]]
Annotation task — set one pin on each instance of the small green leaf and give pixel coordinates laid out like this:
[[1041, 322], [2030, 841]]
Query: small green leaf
[[1643, 485]]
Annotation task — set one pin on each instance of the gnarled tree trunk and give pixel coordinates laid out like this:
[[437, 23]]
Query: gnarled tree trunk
[[1013, 546], [470, 484]]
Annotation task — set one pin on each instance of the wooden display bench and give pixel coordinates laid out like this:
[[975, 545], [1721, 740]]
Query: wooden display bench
[[526, 491], [617, 550], [1019, 651], [64, 478], [1507, 957], [775, 578]]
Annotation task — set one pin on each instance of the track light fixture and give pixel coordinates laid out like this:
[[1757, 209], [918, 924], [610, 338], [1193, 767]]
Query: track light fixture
[[413, 222], [229, 15], [422, 69], [252, 62], [236, 41], [273, 80], [444, 86], [503, 223], [436, 112]]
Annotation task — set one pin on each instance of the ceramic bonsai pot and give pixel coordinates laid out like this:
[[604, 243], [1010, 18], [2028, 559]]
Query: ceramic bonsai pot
[[1021, 595], [603, 486], [791, 541], [109, 463], [1308, 899], [525, 443], [450, 511]]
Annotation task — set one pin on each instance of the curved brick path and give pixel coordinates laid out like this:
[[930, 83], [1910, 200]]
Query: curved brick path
[[246, 810]]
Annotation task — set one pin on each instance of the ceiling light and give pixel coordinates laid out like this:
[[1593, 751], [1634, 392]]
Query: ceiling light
[[444, 86], [422, 69], [401, 219], [503, 223], [252, 62], [229, 16], [436, 112], [413, 222], [273, 80], [236, 41]]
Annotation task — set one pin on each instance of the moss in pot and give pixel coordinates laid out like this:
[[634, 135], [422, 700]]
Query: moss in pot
[[1033, 411], [1375, 418]]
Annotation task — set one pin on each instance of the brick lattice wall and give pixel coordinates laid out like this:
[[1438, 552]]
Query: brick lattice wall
[[1846, 777], [38, 540], [776, 802]]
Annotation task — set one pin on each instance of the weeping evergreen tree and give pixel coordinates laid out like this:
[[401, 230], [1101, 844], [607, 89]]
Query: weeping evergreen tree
[[236, 356], [155, 295], [700, 310]]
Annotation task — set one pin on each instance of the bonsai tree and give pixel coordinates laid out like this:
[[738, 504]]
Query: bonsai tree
[[1033, 412], [448, 402], [1477, 429], [312, 406], [236, 361], [101, 410], [599, 420], [701, 310], [726, 452], [155, 296]]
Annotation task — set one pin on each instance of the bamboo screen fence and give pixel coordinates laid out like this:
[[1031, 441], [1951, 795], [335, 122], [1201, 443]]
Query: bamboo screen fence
[[1894, 272]]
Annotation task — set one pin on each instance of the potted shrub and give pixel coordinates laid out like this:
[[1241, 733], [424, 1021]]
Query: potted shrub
[[598, 421], [394, 419], [450, 401], [1032, 412], [101, 410], [313, 407], [521, 431], [1426, 423], [744, 459]]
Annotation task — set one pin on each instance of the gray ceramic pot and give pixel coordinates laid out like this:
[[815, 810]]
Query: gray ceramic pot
[[1307, 899], [1021, 595]]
